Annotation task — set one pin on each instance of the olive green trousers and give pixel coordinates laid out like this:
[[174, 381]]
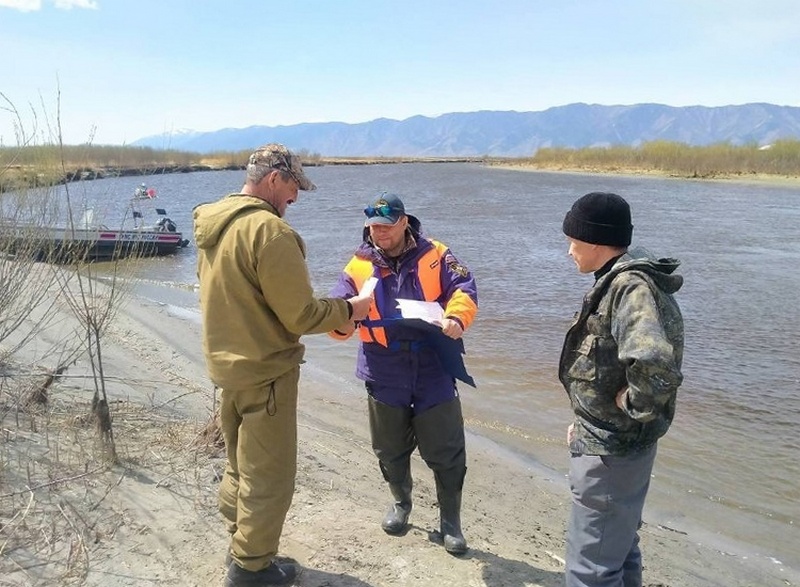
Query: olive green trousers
[[260, 431]]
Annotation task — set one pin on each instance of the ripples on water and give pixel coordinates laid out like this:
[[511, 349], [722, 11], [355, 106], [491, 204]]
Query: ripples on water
[[732, 453]]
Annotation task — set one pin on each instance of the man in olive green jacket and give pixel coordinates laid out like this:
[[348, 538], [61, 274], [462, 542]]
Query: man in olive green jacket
[[256, 300]]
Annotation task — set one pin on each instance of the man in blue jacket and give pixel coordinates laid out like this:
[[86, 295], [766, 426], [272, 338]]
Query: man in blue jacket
[[412, 395]]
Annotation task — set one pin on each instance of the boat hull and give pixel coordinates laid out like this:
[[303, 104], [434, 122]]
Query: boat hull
[[63, 245]]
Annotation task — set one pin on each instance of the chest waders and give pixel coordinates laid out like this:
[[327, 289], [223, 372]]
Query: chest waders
[[439, 434]]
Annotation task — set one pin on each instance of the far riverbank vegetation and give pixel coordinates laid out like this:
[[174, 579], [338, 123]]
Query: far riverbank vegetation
[[42, 165], [47, 165], [723, 160]]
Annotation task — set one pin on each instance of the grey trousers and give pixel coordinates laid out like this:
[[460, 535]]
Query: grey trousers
[[608, 494]]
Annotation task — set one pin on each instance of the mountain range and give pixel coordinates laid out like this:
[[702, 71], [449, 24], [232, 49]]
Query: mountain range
[[506, 133]]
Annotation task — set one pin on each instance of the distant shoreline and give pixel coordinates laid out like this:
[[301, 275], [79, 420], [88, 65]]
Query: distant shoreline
[[103, 172], [26, 176], [755, 178], [751, 178]]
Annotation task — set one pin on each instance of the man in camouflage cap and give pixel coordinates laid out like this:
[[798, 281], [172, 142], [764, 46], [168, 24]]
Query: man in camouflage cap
[[256, 301], [621, 367], [276, 156]]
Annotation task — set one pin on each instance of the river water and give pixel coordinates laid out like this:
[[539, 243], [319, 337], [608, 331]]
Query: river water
[[728, 471]]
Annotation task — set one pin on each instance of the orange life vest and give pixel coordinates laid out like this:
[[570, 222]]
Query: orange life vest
[[428, 274]]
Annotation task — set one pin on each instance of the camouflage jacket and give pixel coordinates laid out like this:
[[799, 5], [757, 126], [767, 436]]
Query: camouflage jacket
[[628, 335]]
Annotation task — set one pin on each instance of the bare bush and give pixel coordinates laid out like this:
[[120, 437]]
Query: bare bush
[[25, 299], [59, 504]]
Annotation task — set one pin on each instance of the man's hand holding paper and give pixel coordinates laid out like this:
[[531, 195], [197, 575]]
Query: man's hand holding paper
[[360, 304], [452, 328]]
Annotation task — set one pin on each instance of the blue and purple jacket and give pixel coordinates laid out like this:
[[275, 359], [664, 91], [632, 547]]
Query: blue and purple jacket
[[426, 272]]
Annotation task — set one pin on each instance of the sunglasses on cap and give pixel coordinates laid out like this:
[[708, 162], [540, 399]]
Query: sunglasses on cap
[[384, 211]]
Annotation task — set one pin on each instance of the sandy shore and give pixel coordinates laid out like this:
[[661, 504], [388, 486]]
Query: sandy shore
[[152, 520], [747, 178]]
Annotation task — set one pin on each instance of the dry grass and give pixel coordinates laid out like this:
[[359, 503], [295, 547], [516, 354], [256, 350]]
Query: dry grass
[[669, 158], [25, 167], [57, 486]]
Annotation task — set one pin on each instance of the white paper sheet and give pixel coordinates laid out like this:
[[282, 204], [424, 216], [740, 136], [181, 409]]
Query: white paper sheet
[[428, 311], [368, 287]]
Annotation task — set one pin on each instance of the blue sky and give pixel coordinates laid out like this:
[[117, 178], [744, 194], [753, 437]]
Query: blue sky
[[115, 71]]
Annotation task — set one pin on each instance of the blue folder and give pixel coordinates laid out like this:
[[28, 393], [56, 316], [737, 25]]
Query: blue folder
[[449, 350]]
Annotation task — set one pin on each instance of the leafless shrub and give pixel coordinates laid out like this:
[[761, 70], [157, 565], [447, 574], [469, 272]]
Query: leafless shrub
[[24, 295], [38, 392], [63, 455], [94, 303], [59, 505]]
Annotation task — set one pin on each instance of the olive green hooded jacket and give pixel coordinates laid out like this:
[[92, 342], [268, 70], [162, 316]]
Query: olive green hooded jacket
[[628, 335], [255, 293]]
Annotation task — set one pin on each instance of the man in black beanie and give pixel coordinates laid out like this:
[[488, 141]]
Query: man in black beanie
[[621, 368]]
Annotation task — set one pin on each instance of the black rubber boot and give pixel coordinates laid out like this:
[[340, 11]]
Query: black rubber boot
[[440, 433], [393, 442], [274, 574], [396, 518], [448, 491]]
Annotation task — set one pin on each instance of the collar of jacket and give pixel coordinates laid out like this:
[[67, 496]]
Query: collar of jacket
[[607, 267], [254, 201]]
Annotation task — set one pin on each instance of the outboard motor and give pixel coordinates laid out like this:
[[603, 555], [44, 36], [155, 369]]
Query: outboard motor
[[166, 225]]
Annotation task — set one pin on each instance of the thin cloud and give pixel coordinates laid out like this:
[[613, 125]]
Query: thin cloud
[[35, 5], [69, 4], [22, 5]]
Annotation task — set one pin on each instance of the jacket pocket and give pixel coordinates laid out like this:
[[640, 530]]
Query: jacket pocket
[[584, 367]]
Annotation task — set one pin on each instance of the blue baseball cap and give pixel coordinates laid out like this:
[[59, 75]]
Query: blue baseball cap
[[387, 209]]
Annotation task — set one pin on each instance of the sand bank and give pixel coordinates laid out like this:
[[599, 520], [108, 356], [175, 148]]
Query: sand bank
[[152, 520], [746, 178]]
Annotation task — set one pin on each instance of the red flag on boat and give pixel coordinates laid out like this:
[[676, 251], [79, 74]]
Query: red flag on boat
[[151, 193]]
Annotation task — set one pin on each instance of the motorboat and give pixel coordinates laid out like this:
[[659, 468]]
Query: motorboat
[[144, 193], [87, 241]]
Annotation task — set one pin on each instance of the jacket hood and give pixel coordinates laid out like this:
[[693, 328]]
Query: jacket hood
[[661, 270], [211, 219]]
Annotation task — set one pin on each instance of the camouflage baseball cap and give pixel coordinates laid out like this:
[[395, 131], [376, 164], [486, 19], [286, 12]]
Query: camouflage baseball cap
[[276, 156]]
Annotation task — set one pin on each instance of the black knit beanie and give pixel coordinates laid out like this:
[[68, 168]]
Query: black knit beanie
[[601, 219]]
